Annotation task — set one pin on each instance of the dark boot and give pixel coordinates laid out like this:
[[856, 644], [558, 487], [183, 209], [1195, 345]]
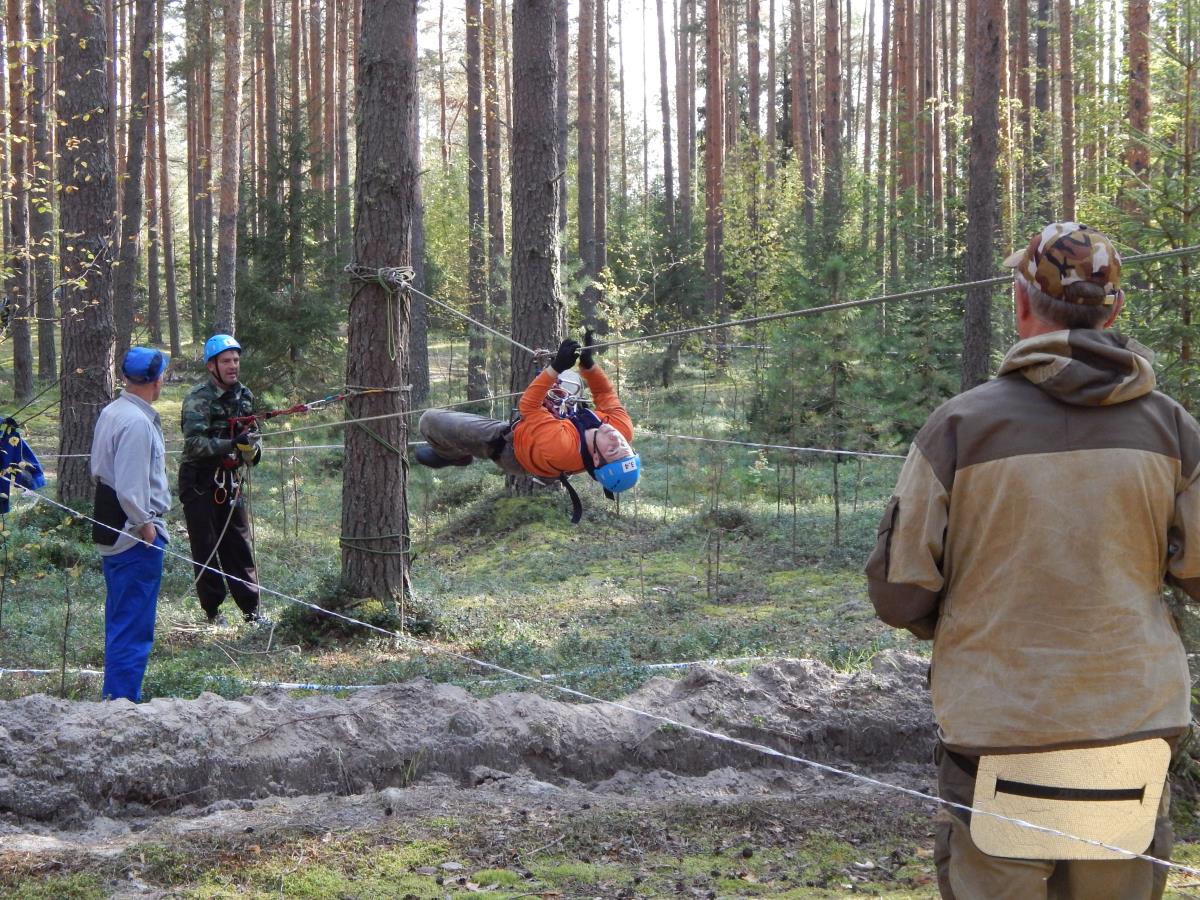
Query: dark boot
[[427, 456]]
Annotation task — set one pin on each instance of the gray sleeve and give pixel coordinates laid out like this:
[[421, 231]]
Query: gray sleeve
[[131, 471]]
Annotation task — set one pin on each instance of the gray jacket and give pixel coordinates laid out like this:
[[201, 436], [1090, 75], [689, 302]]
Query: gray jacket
[[128, 454]]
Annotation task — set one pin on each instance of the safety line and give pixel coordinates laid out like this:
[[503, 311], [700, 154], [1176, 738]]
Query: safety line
[[687, 437], [488, 328], [655, 717]]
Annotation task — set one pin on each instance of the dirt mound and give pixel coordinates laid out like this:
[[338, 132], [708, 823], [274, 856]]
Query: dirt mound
[[67, 763]]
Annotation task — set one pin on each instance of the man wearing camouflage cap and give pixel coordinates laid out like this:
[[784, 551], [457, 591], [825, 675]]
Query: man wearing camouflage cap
[[1029, 536]]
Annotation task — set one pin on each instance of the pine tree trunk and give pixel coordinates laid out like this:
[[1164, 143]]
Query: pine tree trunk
[[86, 208], [590, 307], [1041, 102], [42, 197], [539, 315], [271, 91], [316, 116], [665, 98], [753, 68], [623, 197], [375, 539], [831, 129], [1137, 151], [192, 114], [562, 47], [17, 286], [986, 48], [586, 161], [881, 168], [801, 112], [153, 298], [132, 198], [497, 296], [1067, 102], [329, 152], [418, 333], [445, 133], [295, 223], [683, 117], [345, 238], [771, 111], [231, 155], [868, 129], [206, 157], [477, 386], [168, 231], [714, 98]]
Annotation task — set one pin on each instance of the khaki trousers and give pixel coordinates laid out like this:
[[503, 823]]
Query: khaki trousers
[[966, 873], [453, 435]]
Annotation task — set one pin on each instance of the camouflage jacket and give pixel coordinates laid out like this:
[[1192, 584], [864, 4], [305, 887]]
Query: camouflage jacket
[[205, 421]]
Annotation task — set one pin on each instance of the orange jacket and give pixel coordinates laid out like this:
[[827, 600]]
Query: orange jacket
[[548, 446]]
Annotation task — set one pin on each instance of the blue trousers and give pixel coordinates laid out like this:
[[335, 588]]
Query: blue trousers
[[132, 579]]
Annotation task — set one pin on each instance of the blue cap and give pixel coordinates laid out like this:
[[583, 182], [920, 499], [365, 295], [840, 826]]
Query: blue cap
[[218, 344], [619, 475], [143, 365]]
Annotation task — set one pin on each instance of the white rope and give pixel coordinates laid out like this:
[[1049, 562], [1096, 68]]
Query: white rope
[[686, 437], [654, 717], [475, 322]]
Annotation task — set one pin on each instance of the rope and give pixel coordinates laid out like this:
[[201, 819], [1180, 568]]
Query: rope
[[685, 437], [475, 322], [762, 749], [394, 280], [410, 412]]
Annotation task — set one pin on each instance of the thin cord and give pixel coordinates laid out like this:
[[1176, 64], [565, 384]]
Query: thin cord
[[655, 717], [685, 437]]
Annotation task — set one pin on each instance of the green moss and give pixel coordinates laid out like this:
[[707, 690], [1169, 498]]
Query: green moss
[[78, 886], [498, 877]]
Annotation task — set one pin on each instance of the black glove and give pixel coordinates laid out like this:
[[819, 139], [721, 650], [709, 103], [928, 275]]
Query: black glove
[[247, 441], [587, 358], [568, 353]]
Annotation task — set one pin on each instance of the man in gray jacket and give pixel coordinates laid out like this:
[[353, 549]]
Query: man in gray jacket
[[132, 496], [1029, 536]]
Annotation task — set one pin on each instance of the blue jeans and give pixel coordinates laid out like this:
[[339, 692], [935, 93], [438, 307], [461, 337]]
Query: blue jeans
[[132, 579]]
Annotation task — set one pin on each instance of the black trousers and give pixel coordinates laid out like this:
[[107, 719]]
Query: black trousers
[[210, 509]]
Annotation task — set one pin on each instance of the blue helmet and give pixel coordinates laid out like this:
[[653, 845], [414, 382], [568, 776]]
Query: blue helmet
[[619, 475], [218, 344]]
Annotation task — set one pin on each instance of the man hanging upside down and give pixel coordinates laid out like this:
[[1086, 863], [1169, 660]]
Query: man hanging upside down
[[556, 435]]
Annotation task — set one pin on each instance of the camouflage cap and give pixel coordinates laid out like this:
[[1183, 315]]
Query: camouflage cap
[[1067, 252]]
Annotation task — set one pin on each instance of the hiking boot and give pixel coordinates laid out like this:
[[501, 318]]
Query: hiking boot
[[427, 456], [216, 620], [258, 620]]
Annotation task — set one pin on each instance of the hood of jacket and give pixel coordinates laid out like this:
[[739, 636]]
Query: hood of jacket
[[1084, 366]]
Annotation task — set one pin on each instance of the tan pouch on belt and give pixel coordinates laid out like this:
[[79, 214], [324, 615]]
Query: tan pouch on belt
[[1107, 794]]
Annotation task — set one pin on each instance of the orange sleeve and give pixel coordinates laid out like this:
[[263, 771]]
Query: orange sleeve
[[608, 405], [544, 444]]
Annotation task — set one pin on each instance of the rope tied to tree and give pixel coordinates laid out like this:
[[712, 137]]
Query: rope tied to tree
[[394, 280]]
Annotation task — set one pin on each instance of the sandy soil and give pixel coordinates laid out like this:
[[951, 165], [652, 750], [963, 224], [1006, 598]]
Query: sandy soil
[[100, 777]]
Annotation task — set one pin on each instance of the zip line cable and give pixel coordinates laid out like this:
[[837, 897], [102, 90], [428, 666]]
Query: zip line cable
[[641, 713], [707, 440]]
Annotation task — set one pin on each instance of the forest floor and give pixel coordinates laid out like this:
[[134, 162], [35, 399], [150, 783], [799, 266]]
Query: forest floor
[[449, 778]]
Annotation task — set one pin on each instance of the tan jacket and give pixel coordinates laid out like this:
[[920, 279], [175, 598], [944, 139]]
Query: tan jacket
[[1029, 535]]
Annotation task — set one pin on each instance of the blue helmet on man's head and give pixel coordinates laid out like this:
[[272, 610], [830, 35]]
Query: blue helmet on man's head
[[218, 344], [619, 475]]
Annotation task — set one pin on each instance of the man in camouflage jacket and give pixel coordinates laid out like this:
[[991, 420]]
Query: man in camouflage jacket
[[1029, 536], [214, 453]]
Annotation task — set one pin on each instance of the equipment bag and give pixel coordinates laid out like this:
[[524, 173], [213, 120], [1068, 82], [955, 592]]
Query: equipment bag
[[1105, 794]]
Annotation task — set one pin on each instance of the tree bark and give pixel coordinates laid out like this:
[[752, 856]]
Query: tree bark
[[42, 197], [418, 334], [753, 68], [881, 168], [295, 222], [986, 49], [497, 296], [1041, 102], [1137, 150], [665, 98], [771, 111], [868, 129], [375, 539], [586, 162], [231, 155], [831, 129], [562, 47], [316, 116], [329, 153], [168, 231], [342, 198], [444, 133], [206, 177], [87, 204], [17, 287], [683, 117], [132, 197], [1067, 112], [714, 162], [539, 315], [590, 308], [801, 113], [477, 386], [153, 296]]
